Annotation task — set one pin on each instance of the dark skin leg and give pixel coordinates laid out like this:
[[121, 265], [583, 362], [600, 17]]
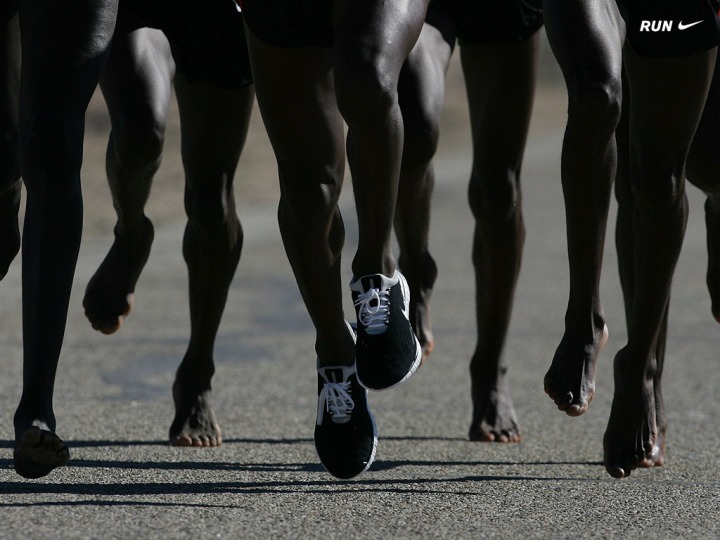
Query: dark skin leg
[[667, 97], [624, 240], [211, 148], [703, 170], [214, 123], [657, 454], [356, 80], [372, 41], [308, 141], [138, 107], [64, 48], [9, 170], [579, 31], [500, 82], [421, 91]]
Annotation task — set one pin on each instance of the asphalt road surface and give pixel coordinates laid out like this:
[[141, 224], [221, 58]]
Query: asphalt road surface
[[114, 405]]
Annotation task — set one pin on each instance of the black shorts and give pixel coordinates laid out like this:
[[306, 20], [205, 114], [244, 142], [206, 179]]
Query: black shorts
[[486, 21], [671, 28], [290, 23], [207, 37]]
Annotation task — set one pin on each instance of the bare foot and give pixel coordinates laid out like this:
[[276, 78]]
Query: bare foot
[[9, 229], [194, 423], [493, 413], [657, 456], [39, 451], [570, 381], [712, 224], [109, 294], [420, 282], [631, 436]]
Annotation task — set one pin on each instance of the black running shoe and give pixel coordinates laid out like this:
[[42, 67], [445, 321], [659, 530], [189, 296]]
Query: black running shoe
[[387, 350], [345, 433]]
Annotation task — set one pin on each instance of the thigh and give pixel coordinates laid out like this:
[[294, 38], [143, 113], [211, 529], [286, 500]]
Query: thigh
[[295, 93], [667, 99], [137, 80], [421, 86], [64, 46], [214, 122], [587, 38], [500, 81], [378, 34], [704, 159], [9, 92], [207, 38]]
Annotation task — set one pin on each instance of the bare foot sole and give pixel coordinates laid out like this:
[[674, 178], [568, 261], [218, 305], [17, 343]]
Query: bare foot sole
[[494, 417], [37, 452], [194, 423], [109, 295], [570, 381]]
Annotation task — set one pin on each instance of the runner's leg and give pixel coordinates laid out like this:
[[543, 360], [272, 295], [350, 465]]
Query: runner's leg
[[63, 51], [214, 122], [587, 39], [421, 93], [307, 135], [662, 125], [500, 81], [136, 83]]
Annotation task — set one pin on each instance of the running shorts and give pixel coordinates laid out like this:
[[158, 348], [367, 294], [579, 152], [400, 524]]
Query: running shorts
[[297, 23], [207, 37], [486, 21], [290, 23], [671, 28]]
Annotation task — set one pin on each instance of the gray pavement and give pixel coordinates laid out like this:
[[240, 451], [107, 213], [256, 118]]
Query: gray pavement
[[114, 405]]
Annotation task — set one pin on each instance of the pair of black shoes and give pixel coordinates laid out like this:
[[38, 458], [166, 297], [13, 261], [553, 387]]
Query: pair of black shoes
[[387, 353]]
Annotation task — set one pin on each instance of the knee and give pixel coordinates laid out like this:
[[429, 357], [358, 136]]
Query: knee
[[50, 154], [703, 166], [307, 195], [138, 143], [494, 196], [595, 101], [364, 93], [658, 188], [210, 209]]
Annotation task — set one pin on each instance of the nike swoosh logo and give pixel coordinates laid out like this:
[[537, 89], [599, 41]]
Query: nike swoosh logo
[[682, 26]]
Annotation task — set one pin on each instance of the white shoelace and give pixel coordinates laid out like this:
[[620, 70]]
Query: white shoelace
[[373, 317], [335, 399]]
